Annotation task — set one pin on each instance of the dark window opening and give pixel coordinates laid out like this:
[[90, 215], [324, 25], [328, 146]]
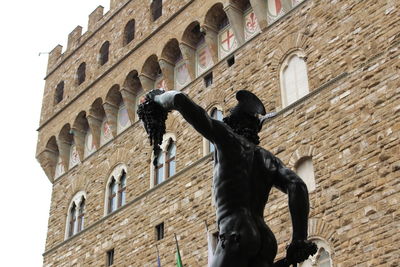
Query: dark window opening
[[81, 73], [156, 9], [129, 32], [122, 190], [160, 231], [208, 79], [104, 52], [110, 257], [230, 61], [59, 95]]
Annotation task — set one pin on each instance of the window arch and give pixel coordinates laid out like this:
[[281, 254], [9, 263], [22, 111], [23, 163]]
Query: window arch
[[305, 169], [165, 160], [323, 257], [81, 73], [294, 78], [105, 131], [59, 94], [116, 189], [104, 53], [129, 32], [156, 9], [76, 215]]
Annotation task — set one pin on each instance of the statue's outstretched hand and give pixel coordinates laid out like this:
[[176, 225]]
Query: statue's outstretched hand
[[299, 250]]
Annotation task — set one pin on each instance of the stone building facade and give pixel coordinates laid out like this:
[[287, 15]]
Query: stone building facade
[[329, 68]]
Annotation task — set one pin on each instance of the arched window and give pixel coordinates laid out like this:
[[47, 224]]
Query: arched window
[[216, 114], [305, 169], [81, 73], [165, 160], [89, 144], [73, 156], [170, 163], [156, 9], [294, 78], [112, 196], [159, 168], [122, 190], [76, 215], [323, 257], [129, 32], [59, 94], [104, 53], [116, 189]]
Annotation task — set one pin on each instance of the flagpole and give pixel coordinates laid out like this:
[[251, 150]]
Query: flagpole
[[178, 254]]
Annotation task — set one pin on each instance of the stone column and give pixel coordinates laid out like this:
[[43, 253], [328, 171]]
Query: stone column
[[111, 114], [95, 128], [236, 20], [167, 69], [260, 9], [129, 99], [147, 82], [189, 56], [211, 39]]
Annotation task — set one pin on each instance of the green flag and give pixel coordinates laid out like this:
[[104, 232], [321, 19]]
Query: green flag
[[178, 254], [178, 259]]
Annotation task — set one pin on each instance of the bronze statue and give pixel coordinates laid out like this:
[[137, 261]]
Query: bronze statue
[[244, 174]]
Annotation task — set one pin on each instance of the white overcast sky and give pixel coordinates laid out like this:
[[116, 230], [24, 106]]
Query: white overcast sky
[[28, 27]]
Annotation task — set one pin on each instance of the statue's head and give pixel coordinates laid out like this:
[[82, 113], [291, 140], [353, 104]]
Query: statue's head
[[247, 117]]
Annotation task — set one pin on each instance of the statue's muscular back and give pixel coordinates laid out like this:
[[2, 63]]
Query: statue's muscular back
[[241, 187]]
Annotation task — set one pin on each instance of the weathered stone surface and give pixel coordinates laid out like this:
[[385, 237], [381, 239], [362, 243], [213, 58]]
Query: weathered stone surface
[[349, 124]]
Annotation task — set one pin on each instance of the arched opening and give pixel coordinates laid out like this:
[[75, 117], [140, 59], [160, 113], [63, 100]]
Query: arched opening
[[129, 32], [59, 93], [152, 71], [175, 67], [305, 169], [132, 91], [104, 53], [81, 73]]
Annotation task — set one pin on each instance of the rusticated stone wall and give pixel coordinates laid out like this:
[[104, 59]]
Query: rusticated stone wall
[[349, 124]]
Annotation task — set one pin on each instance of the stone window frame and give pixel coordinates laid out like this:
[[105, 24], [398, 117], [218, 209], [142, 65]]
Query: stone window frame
[[59, 92], [310, 181], [129, 32], [116, 174], [285, 63], [301, 153], [104, 53], [167, 138], [206, 143], [77, 200], [81, 73]]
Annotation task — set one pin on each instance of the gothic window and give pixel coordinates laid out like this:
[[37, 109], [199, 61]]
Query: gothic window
[[76, 215], [165, 160], [159, 168], [122, 118], [170, 163], [129, 32], [105, 132], [323, 257], [81, 73], [112, 196], [122, 190], [305, 169], [216, 114], [294, 78], [104, 53], [275, 9], [156, 9], [116, 189], [59, 94]]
